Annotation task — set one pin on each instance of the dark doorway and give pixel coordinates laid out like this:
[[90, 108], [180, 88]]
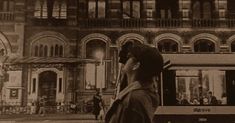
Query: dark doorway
[[169, 88], [230, 82], [47, 86]]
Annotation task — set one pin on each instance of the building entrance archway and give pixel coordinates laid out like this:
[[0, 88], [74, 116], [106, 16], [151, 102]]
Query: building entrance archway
[[47, 86]]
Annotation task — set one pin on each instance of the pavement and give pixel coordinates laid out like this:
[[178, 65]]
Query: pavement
[[47, 117]]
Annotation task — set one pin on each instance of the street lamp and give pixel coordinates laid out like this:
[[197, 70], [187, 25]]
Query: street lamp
[[99, 54]]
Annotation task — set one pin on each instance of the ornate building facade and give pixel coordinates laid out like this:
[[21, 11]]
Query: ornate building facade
[[55, 42]]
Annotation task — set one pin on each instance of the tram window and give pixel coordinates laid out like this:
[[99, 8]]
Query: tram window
[[194, 87]]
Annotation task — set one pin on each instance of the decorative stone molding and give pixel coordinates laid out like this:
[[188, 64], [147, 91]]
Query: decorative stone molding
[[95, 36], [171, 36], [124, 38]]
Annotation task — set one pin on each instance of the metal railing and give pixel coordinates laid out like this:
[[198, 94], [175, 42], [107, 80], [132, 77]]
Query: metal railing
[[7, 16], [155, 23]]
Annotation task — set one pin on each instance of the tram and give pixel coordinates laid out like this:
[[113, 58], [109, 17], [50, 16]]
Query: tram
[[197, 88]]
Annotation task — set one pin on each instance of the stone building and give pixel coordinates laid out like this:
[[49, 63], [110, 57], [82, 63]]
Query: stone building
[[56, 41]]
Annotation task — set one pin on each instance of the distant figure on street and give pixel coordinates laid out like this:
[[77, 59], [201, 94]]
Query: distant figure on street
[[212, 99], [42, 106], [96, 104], [102, 110]]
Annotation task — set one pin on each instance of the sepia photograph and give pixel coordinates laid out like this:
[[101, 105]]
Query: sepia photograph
[[117, 61]]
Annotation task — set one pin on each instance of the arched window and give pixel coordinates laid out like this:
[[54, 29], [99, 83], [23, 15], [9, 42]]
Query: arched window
[[36, 51], [168, 46], [233, 46], [56, 50], [52, 51], [95, 73], [41, 50], [48, 47], [61, 51], [45, 51], [203, 45], [93, 46]]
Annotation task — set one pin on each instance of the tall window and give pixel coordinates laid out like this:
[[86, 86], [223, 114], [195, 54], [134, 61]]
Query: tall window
[[59, 10], [233, 46], [167, 9], [204, 46], [7, 5], [168, 46], [95, 72], [131, 9], [96, 8], [47, 8], [40, 9], [202, 9]]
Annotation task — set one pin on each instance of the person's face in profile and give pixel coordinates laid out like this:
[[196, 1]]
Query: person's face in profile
[[130, 64]]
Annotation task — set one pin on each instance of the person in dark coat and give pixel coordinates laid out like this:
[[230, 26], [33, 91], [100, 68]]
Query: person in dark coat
[[212, 99], [96, 104], [137, 102]]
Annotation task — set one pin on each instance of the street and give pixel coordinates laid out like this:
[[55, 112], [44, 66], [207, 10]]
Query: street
[[53, 121]]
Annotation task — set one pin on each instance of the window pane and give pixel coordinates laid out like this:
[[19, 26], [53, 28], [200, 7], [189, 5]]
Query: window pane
[[34, 85], [233, 46], [56, 9], [214, 81], [90, 76], [100, 76], [93, 46], [36, 51], [63, 11], [126, 9], [91, 9], [45, 51], [11, 5], [37, 9], [187, 87], [204, 46], [163, 14], [44, 9], [189, 91], [101, 9], [5, 5], [196, 10], [206, 10], [60, 84], [136, 9], [168, 46]]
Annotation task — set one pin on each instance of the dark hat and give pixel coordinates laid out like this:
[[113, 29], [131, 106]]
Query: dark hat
[[124, 51], [151, 61]]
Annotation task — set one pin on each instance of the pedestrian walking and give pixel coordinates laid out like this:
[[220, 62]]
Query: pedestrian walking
[[96, 104], [102, 110], [42, 106], [137, 102]]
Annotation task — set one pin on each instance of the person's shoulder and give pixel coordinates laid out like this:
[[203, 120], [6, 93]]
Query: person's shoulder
[[138, 95]]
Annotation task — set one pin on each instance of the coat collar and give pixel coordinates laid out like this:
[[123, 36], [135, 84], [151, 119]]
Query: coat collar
[[133, 86]]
